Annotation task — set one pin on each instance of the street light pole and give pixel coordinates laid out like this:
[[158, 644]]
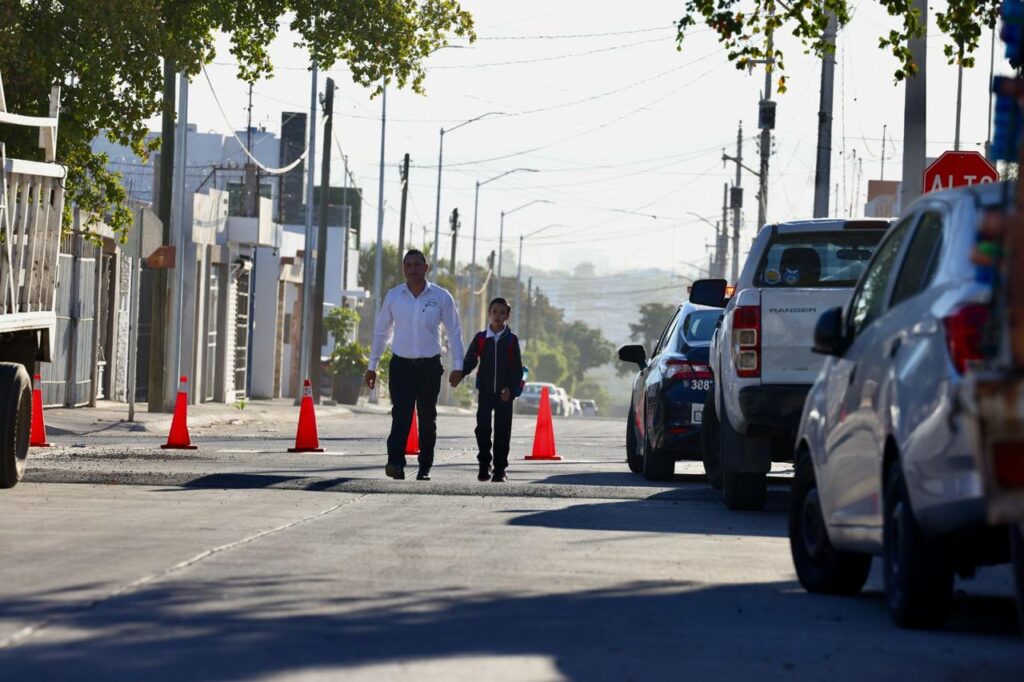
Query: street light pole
[[476, 206], [501, 232], [519, 265], [440, 162]]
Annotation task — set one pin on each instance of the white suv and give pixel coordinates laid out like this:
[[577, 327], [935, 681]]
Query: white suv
[[761, 354]]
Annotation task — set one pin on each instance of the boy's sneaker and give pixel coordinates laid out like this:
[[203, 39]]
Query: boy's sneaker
[[485, 473], [499, 476], [394, 471]]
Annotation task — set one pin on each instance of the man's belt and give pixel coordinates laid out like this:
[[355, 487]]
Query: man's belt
[[417, 361]]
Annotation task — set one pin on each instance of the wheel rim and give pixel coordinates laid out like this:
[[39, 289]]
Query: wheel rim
[[812, 526]]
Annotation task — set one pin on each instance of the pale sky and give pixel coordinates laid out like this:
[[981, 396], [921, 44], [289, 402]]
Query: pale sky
[[619, 125]]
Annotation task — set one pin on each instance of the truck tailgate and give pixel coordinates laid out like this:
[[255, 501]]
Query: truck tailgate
[[788, 317]]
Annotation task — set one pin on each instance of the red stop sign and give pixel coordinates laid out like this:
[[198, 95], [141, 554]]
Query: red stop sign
[[958, 169]]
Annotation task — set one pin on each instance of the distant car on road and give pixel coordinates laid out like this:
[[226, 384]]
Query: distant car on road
[[588, 408], [885, 460], [529, 401], [669, 391]]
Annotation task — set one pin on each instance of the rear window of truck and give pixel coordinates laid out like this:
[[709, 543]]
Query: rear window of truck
[[816, 259]]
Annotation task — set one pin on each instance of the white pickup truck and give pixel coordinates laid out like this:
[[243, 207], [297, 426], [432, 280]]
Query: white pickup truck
[[761, 354]]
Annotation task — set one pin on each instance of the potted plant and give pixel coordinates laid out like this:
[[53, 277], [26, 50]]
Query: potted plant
[[349, 359]]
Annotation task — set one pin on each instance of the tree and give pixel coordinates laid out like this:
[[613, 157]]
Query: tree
[[592, 349], [107, 56], [741, 28], [653, 318]]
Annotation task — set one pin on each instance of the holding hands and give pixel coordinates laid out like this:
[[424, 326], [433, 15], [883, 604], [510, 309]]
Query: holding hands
[[455, 378]]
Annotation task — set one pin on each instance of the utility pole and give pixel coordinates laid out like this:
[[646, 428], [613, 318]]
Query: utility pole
[[316, 341], [915, 114], [823, 165], [251, 193], [884, 126], [454, 223], [309, 235], [159, 308], [736, 202], [723, 234], [766, 122], [401, 220]]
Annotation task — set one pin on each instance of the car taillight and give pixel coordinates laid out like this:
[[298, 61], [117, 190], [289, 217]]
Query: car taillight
[[746, 340], [684, 369], [964, 334]]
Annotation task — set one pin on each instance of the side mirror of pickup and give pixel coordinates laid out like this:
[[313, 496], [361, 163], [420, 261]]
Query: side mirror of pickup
[[830, 333], [635, 353], [709, 292]]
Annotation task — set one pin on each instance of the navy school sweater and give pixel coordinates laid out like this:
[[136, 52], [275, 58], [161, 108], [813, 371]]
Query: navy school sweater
[[501, 364]]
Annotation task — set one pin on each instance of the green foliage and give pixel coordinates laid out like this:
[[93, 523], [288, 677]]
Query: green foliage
[[588, 389], [742, 26], [341, 322], [349, 358], [107, 56], [547, 364], [653, 318]]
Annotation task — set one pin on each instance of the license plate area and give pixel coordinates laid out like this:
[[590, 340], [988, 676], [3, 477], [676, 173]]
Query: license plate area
[[697, 414]]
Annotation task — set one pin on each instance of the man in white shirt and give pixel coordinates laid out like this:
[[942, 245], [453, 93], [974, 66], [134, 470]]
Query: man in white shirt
[[413, 313]]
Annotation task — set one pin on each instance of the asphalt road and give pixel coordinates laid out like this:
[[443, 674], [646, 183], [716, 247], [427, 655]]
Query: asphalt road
[[241, 561]]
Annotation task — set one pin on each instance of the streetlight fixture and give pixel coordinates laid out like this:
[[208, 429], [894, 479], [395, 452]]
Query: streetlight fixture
[[519, 264], [440, 161], [501, 231], [476, 205]]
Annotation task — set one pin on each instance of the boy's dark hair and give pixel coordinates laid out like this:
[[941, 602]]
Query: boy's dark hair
[[502, 301], [414, 252]]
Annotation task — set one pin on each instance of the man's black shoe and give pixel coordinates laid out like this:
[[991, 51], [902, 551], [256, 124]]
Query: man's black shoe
[[485, 473], [395, 472], [499, 476], [423, 475]]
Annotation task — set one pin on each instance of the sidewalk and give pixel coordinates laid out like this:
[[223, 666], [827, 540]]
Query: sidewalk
[[112, 417]]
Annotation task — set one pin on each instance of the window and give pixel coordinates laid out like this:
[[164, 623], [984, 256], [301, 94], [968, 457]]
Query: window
[[699, 326], [922, 258], [665, 334], [869, 300], [816, 259]]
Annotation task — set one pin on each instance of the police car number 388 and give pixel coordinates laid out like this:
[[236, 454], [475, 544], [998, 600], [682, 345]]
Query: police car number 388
[[701, 384]]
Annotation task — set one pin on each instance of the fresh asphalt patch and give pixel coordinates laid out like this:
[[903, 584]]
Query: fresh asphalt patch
[[277, 481]]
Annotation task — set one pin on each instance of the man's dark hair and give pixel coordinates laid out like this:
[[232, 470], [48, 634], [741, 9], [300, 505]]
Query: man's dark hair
[[502, 301], [414, 252]]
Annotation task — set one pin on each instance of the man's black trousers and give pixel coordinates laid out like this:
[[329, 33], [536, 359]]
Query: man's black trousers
[[414, 383], [491, 402]]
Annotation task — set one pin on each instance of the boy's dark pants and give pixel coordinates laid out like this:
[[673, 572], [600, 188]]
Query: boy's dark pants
[[413, 383], [491, 402]]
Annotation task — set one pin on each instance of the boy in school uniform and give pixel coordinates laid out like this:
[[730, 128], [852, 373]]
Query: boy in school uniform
[[499, 382]]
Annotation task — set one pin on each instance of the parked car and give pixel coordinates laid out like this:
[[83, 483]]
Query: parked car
[[588, 408], [528, 402], [761, 354], [669, 392], [885, 463]]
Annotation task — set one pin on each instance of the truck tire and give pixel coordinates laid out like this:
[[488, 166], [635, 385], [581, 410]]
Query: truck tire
[[633, 457], [658, 465], [1017, 552], [918, 573], [16, 418], [821, 567], [710, 442]]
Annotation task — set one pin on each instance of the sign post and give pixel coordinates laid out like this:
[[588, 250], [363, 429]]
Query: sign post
[[958, 169]]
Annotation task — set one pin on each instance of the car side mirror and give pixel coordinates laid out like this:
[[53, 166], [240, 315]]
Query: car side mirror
[[830, 333], [709, 292], [635, 353]]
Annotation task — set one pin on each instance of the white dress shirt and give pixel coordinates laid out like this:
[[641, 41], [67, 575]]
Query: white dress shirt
[[415, 322]]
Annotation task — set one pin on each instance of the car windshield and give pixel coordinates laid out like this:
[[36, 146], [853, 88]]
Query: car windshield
[[699, 325], [817, 259]]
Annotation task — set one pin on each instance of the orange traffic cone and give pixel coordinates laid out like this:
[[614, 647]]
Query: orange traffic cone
[[178, 438], [306, 439], [37, 436], [544, 436], [412, 445]]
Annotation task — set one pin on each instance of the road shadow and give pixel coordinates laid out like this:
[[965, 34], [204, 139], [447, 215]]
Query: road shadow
[[261, 626], [639, 516]]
